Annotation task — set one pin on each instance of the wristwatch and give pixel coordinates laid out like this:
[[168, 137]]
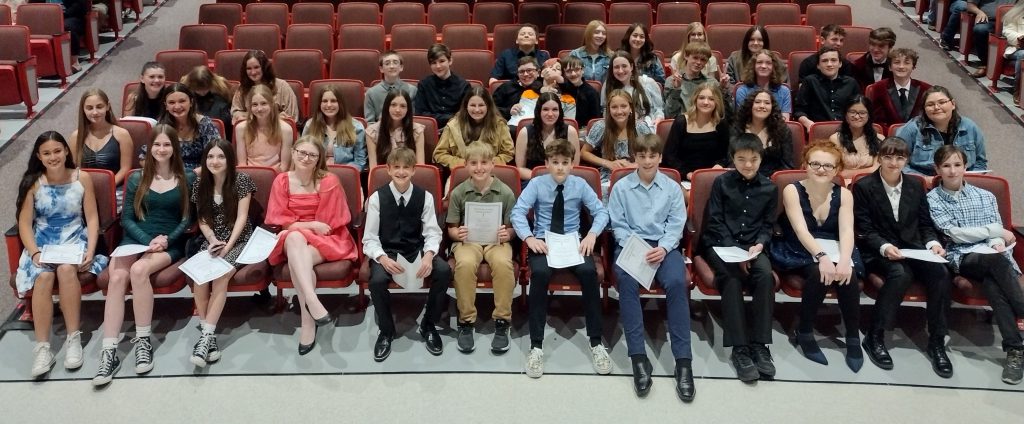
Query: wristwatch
[[819, 255]]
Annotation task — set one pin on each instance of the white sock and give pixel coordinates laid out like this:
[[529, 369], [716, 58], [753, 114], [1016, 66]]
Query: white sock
[[202, 323], [143, 330], [208, 328], [47, 344], [109, 342]]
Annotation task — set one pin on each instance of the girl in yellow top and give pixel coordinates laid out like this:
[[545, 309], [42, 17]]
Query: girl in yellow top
[[477, 120]]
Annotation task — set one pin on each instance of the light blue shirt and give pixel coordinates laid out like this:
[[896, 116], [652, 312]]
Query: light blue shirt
[[539, 195], [654, 212]]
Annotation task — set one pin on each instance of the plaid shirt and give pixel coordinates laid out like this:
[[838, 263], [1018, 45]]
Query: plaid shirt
[[971, 207]]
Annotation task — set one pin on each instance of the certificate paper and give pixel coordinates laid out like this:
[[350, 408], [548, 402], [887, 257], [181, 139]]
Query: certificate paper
[[258, 248], [408, 279], [563, 250], [483, 220], [830, 247], [986, 249], [733, 254], [62, 254], [633, 260], [923, 255], [204, 267], [128, 250]]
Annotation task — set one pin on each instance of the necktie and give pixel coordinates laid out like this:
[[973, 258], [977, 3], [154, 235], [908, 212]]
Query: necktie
[[558, 211], [903, 98], [401, 202]]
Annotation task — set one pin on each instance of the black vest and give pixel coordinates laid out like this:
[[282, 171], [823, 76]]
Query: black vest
[[401, 229]]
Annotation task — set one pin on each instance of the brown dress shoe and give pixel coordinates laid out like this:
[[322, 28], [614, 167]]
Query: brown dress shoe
[[980, 72]]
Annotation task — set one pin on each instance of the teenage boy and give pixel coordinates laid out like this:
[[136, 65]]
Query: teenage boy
[[508, 60], [821, 96], [482, 187], [391, 67], [440, 93], [588, 100], [900, 98], [649, 205], [741, 213], [400, 220], [874, 66], [679, 87], [556, 200], [507, 95], [891, 213], [831, 35]]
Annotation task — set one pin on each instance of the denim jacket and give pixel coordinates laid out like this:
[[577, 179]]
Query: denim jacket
[[354, 154], [924, 141], [594, 69]]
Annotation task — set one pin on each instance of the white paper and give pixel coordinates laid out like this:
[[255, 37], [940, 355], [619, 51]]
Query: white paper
[[830, 247], [62, 254], [203, 267], [685, 184], [733, 254], [979, 172], [985, 249], [563, 250], [128, 250], [258, 248], [408, 279], [633, 260], [923, 255], [483, 220]]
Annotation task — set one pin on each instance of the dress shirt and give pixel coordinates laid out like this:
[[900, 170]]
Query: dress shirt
[[372, 247], [497, 192], [822, 99], [969, 218], [439, 98], [894, 194], [539, 195], [740, 212], [652, 212]]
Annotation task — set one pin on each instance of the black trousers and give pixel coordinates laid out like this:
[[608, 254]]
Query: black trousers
[[898, 276], [999, 282], [814, 295], [730, 281], [440, 278], [76, 28], [540, 276]]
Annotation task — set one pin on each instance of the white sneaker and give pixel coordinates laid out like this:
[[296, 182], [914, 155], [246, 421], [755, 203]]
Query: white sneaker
[[535, 363], [602, 362], [43, 359], [73, 351]]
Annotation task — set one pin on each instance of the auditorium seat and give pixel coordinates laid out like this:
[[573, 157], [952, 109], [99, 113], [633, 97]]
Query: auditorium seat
[[311, 36], [210, 38], [819, 15], [402, 13], [441, 14], [358, 64], [412, 36], [414, 62], [998, 66], [6, 17], [778, 14], [726, 38], [465, 36], [582, 13], [17, 69], [473, 64], [430, 132], [799, 135], [791, 38], [358, 13], [51, 44], [505, 36], [630, 12], [793, 67], [268, 13], [856, 39], [727, 13], [178, 63], [352, 92], [493, 14], [361, 36], [678, 13], [540, 14], [304, 65], [264, 37], [227, 14], [228, 64], [314, 13], [668, 37]]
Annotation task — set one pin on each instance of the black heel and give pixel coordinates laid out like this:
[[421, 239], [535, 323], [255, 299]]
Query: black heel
[[304, 349], [324, 320]]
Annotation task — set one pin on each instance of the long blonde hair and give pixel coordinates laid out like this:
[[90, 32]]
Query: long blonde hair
[[680, 61], [251, 126], [83, 121], [342, 121], [612, 129]]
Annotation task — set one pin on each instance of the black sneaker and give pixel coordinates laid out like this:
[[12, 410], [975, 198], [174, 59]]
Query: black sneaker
[[745, 368], [109, 365], [500, 343], [200, 351], [213, 355], [143, 355], [1013, 369], [763, 359], [465, 337]]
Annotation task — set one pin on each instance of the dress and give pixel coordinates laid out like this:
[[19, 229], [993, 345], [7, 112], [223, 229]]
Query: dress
[[397, 137], [789, 254], [58, 220], [221, 228], [163, 216], [327, 206], [107, 157]]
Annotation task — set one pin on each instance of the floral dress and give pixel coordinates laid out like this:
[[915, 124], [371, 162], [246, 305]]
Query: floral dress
[[221, 228]]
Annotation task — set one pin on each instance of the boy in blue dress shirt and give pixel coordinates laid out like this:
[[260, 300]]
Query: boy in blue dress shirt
[[556, 200]]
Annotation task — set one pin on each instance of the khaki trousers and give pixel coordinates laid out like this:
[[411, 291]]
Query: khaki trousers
[[468, 257]]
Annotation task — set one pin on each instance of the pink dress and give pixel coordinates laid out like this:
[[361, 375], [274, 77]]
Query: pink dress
[[327, 206]]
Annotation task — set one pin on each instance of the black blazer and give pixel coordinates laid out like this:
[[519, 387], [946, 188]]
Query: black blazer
[[875, 225]]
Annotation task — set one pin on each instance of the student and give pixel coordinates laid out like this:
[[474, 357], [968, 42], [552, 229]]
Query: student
[[832, 35], [509, 60], [967, 217], [699, 138], [681, 86], [637, 42], [213, 95], [874, 65], [221, 196], [548, 125], [747, 190], [1013, 32], [344, 137], [817, 208], [508, 94], [551, 82], [940, 124], [99, 142], [754, 41], [438, 94], [263, 138], [400, 220], [587, 98], [900, 98], [760, 115], [477, 121], [695, 32], [391, 67], [857, 138], [156, 214], [310, 206], [612, 136], [194, 131], [647, 101], [256, 70], [482, 187], [766, 71], [556, 200], [145, 100], [394, 130], [891, 213], [56, 207], [821, 95], [594, 53], [649, 205]]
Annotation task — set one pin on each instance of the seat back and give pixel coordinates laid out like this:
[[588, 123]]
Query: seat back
[[358, 13], [42, 18], [795, 59], [678, 13], [493, 14], [141, 131], [630, 12], [361, 36], [726, 38], [441, 14], [429, 135], [352, 92], [6, 17], [856, 39], [663, 128], [106, 196], [581, 13], [505, 36], [615, 34], [464, 36], [540, 14], [667, 37], [700, 191], [893, 129], [14, 43], [305, 65], [414, 62], [263, 177], [778, 14], [999, 188], [178, 63], [311, 36], [473, 64], [790, 38], [412, 36], [506, 173], [819, 15], [228, 64], [427, 177], [357, 64], [313, 13], [564, 37], [266, 37], [227, 14], [724, 12], [796, 131], [268, 13], [210, 38], [822, 130], [402, 13], [350, 182]]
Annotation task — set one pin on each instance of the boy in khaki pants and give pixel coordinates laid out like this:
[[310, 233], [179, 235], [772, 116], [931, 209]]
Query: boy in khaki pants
[[482, 187]]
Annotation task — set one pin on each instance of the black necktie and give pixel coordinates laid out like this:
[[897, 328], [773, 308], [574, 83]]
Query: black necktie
[[558, 211], [401, 202], [903, 98]]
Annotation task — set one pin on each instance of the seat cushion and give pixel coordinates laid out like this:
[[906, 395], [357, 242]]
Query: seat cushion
[[329, 272], [251, 274]]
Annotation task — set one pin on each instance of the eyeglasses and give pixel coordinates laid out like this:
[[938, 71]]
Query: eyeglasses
[[857, 113], [894, 158], [939, 103], [573, 70], [304, 155], [819, 165], [527, 71]]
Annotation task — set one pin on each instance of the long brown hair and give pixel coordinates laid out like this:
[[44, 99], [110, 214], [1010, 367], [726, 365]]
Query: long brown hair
[[640, 103], [83, 121], [36, 168], [384, 135], [342, 121], [488, 131], [149, 171], [252, 127], [612, 129], [206, 186], [202, 78], [268, 78]]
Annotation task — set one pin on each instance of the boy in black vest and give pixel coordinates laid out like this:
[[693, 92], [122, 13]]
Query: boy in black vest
[[400, 220]]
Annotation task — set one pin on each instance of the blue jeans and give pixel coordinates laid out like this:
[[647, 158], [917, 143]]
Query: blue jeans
[[981, 32], [953, 22], [1017, 57], [671, 276]]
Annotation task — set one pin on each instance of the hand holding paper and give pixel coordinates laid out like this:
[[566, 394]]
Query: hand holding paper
[[633, 260], [61, 254]]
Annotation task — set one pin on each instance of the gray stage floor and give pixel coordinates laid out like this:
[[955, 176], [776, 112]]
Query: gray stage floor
[[256, 341]]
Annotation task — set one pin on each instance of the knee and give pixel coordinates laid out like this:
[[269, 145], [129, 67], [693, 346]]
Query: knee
[[43, 283], [66, 270], [294, 240], [139, 271], [540, 273], [464, 263]]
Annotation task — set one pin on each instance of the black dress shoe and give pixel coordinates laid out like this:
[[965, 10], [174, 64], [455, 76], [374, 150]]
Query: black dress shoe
[[685, 388], [874, 345], [642, 370], [324, 320], [304, 349], [432, 339], [382, 348], [940, 362]]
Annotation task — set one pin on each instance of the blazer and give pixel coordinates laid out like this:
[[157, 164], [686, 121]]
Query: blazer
[[885, 109], [863, 72], [875, 224]]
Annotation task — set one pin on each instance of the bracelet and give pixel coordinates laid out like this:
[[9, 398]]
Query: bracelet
[[34, 254]]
